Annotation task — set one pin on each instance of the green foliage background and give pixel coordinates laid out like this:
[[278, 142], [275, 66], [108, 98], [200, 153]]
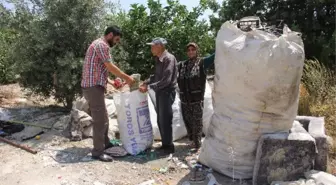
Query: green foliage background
[[43, 42]]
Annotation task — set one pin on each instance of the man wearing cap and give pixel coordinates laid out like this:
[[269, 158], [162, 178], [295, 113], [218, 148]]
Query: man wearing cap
[[98, 62], [163, 82]]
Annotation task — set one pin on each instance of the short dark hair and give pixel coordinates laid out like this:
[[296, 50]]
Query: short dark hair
[[113, 29]]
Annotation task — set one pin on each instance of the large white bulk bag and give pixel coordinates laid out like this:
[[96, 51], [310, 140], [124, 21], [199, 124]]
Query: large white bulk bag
[[256, 90], [179, 129], [153, 118], [136, 133], [208, 108]]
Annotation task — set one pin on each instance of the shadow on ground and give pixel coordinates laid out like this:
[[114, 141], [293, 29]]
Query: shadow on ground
[[72, 155], [39, 117], [223, 180], [181, 152]]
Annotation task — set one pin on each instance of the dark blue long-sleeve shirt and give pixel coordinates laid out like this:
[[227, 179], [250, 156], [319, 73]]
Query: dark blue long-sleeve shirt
[[165, 75]]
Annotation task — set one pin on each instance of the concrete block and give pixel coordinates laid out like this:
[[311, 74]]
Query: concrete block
[[284, 156], [316, 128]]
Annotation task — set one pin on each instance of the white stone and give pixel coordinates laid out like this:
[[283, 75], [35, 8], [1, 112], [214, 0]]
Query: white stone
[[322, 178], [299, 182]]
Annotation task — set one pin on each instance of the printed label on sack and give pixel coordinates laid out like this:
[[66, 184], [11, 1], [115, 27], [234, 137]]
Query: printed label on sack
[[144, 122], [144, 103], [130, 128]]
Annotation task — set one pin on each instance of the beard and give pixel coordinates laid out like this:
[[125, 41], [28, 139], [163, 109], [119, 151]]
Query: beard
[[110, 42]]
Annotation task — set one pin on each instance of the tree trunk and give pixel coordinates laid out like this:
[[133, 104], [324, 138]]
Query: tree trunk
[[68, 102]]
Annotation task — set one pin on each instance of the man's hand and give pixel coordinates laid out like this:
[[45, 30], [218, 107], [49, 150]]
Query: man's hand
[[143, 88], [117, 83], [129, 80], [117, 72]]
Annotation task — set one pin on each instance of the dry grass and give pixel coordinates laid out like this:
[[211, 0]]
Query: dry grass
[[318, 98], [13, 95], [9, 91], [304, 105]]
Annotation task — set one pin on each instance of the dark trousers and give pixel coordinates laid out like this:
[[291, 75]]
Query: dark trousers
[[95, 97], [164, 102], [193, 119]]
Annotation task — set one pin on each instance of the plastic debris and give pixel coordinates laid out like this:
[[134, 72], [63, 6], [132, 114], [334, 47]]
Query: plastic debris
[[163, 170], [115, 142], [2, 133], [193, 163], [186, 183], [170, 157], [149, 182], [212, 179], [179, 163], [152, 155], [98, 183], [198, 174]]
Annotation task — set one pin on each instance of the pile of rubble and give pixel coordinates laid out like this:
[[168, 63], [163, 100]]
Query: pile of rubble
[[81, 122]]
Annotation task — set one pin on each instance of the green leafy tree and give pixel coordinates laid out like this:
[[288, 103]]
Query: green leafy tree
[[7, 39], [118, 16], [173, 22], [52, 41]]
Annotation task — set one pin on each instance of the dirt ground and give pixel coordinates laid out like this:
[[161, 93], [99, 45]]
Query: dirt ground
[[61, 162]]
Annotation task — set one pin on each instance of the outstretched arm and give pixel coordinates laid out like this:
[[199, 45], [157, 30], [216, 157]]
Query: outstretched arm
[[149, 80]]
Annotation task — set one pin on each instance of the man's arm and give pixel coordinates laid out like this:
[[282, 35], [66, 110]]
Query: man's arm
[[109, 81], [179, 64], [115, 70], [150, 80], [105, 56], [168, 68]]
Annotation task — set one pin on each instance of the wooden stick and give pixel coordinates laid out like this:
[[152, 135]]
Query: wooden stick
[[26, 148], [25, 123]]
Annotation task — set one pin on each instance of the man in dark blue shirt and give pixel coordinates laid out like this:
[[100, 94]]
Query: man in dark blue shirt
[[164, 83]]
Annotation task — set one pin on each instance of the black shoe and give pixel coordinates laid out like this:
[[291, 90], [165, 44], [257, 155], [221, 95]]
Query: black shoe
[[167, 146], [167, 149], [103, 157]]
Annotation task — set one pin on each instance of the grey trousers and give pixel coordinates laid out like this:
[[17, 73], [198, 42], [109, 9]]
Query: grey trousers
[[164, 102], [95, 97]]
